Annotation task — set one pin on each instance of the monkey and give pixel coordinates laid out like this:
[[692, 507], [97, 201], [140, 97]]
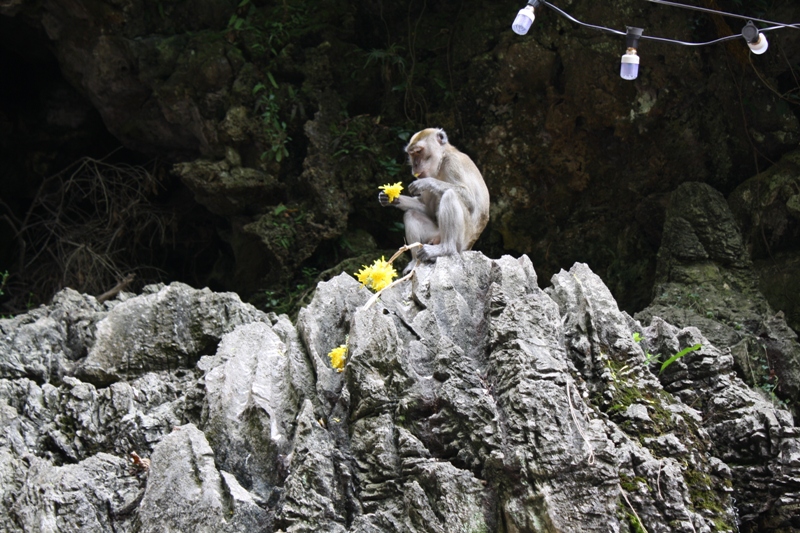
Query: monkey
[[449, 206]]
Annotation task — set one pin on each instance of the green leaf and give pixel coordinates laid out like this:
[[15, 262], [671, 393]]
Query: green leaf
[[272, 80], [244, 3], [259, 87], [637, 337], [238, 24], [678, 355], [280, 209]]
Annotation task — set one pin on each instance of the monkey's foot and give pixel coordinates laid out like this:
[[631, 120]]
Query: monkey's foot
[[429, 252]]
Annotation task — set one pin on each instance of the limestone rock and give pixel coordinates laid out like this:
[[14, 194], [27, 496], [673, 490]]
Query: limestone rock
[[45, 343], [170, 328], [711, 284], [472, 400], [186, 492]]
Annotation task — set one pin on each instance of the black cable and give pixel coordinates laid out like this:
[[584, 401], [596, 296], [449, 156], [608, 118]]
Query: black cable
[[724, 13], [573, 19], [664, 39]]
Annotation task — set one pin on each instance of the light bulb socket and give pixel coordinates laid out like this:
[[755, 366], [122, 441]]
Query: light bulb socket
[[756, 40], [632, 36], [750, 32]]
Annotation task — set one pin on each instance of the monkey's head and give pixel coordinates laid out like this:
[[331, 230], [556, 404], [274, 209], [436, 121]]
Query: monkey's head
[[425, 150]]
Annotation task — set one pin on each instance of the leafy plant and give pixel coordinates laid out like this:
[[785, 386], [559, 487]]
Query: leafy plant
[[678, 355], [390, 166], [648, 357], [293, 295], [274, 128]]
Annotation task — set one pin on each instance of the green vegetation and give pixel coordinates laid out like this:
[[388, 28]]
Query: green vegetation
[[292, 296], [284, 221], [632, 484], [264, 33], [678, 355], [274, 128], [650, 358]]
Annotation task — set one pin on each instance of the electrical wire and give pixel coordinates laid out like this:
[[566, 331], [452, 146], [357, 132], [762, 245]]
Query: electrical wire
[[724, 13], [777, 26], [576, 21]]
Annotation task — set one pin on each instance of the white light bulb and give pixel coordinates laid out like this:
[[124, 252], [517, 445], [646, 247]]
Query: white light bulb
[[629, 67], [760, 46], [523, 21]]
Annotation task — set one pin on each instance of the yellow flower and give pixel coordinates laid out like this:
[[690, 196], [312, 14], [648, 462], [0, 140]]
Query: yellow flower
[[377, 276], [392, 191], [338, 356]]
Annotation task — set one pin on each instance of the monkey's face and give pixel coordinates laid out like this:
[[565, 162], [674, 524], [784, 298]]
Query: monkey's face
[[416, 158], [424, 155]]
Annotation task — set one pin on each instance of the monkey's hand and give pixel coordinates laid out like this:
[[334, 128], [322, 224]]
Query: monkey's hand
[[422, 185], [383, 198]]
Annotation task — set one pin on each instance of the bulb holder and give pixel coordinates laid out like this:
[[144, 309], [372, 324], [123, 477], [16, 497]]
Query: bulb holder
[[524, 20], [629, 65], [756, 40], [632, 36]]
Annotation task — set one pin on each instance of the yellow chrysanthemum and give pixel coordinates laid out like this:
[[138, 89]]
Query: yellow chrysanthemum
[[392, 191], [377, 276], [338, 357]]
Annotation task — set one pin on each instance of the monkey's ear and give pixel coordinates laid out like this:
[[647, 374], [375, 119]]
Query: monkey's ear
[[441, 136]]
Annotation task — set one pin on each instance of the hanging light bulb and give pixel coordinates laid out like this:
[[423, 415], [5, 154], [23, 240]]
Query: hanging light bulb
[[525, 17], [629, 67], [756, 40]]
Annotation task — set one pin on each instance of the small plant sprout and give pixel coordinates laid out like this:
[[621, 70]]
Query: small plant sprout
[[338, 357], [649, 358], [678, 355], [392, 191], [4, 280]]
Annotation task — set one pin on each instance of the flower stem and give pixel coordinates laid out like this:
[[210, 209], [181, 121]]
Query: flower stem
[[375, 296]]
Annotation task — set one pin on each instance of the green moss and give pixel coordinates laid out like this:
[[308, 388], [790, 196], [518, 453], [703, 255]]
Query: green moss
[[625, 514], [636, 526], [705, 500], [631, 484]]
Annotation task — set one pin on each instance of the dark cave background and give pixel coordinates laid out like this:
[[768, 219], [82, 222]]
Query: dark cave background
[[240, 144]]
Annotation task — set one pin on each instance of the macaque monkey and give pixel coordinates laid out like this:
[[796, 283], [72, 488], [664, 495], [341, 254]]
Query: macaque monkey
[[449, 206]]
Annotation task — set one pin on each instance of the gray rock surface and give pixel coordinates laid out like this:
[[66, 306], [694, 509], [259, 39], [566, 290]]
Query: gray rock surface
[[471, 401], [706, 279]]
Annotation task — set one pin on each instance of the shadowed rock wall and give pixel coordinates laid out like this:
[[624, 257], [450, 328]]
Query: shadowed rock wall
[[281, 119]]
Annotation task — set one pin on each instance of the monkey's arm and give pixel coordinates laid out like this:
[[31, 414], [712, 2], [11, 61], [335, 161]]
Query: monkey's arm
[[429, 185], [402, 202], [437, 187]]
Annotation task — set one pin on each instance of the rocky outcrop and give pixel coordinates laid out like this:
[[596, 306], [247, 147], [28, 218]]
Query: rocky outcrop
[[767, 209], [472, 400], [705, 278]]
